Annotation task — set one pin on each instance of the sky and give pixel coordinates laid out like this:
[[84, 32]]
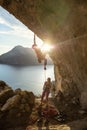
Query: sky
[[13, 33]]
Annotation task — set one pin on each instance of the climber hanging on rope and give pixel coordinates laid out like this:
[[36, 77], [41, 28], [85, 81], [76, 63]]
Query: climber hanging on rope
[[38, 52]]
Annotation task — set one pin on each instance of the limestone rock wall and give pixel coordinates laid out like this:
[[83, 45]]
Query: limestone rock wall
[[70, 68]]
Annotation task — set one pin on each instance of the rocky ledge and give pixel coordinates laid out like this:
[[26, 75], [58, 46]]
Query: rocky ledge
[[15, 106]]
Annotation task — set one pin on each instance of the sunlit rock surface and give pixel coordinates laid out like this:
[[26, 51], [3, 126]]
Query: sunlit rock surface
[[15, 106], [70, 67], [64, 24]]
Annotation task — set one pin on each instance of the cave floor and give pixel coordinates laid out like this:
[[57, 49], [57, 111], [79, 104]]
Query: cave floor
[[79, 124]]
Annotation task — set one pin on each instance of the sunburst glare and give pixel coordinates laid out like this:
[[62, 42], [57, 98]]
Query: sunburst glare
[[46, 47]]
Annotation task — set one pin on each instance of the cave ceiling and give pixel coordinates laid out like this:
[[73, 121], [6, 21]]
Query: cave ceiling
[[52, 20]]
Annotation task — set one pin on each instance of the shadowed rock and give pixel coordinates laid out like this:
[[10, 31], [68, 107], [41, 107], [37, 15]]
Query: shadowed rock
[[15, 107]]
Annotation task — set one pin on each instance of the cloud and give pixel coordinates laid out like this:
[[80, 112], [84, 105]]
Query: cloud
[[8, 18], [15, 26], [13, 32], [4, 32]]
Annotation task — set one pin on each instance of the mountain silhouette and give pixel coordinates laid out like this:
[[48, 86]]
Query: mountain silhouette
[[20, 56]]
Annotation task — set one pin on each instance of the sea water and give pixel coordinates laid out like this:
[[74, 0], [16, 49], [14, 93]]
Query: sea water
[[29, 78]]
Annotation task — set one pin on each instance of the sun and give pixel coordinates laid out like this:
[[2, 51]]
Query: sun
[[46, 48]]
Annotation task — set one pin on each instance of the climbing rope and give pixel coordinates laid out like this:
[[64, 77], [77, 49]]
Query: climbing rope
[[34, 45], [45, 74], [45, 63]]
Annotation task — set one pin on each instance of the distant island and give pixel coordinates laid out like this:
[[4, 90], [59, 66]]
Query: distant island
[[21, 56]]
